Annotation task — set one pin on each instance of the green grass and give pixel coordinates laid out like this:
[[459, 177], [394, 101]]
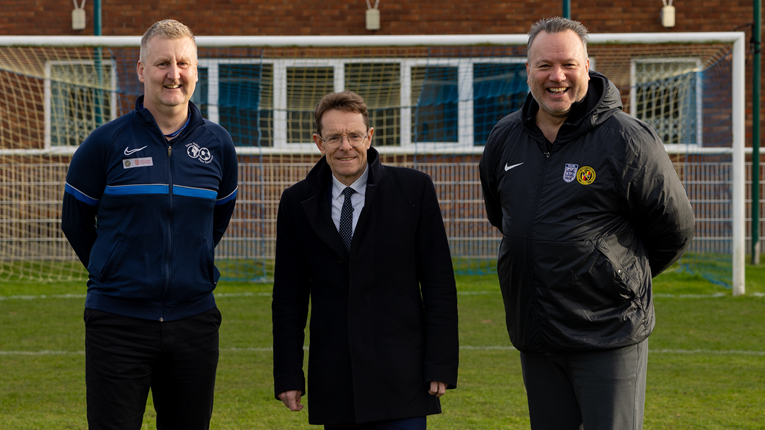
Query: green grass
[[706, 366]]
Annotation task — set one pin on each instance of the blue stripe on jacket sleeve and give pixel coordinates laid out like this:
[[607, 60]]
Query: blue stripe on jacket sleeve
[[79, 195], [228, 198], [125, 190], [194, 192]]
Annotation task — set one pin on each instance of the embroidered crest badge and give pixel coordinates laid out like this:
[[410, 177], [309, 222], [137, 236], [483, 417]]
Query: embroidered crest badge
[[585, 175], [202, 154], [569, 173]]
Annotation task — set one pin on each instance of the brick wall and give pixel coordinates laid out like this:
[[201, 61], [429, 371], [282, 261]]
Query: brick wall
[[346, 17]]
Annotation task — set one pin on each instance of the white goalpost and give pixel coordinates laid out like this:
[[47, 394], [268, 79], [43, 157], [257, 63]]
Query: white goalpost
[[433, 101]]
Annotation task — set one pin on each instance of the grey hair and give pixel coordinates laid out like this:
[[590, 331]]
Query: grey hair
[[167, 29], [556, 25]]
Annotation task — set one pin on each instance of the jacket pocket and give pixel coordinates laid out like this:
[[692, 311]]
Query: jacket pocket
[[208, 262], [581, 279], [623, 254], [609, 277], [113, 257], [410, 316]]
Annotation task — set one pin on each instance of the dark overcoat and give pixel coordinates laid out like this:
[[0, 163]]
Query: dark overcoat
[[383, 316]]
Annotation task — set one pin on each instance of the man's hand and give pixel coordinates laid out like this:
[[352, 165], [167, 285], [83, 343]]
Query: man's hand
[[291, 399], [437, 388]]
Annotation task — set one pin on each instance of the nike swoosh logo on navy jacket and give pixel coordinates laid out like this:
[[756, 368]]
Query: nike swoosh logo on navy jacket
[[160, 213]]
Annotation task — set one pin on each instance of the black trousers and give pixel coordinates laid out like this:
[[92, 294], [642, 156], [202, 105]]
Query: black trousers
[[125, 357], [598, 390]]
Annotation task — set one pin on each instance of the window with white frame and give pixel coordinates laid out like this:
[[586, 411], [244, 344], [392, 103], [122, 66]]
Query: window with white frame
[[379, 83], [443, 102], [238, 95], [666, 93], [305, 87], [78, 98]]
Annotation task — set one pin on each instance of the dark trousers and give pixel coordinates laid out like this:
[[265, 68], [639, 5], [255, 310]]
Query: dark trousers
[[125, 357], [418, 423], [599, 390]]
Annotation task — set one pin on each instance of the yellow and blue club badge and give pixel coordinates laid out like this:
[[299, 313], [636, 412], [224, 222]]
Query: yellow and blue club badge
[[585, 175]]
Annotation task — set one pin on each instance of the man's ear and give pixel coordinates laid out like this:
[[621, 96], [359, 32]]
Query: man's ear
[[139, 70], [319, 143], [371, 134]]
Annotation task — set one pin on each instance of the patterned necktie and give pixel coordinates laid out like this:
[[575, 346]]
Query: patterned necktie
[[346, 218]]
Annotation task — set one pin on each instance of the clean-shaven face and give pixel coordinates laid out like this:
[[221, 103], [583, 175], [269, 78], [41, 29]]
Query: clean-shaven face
[[168, 72], [558, 72], [347, 162]]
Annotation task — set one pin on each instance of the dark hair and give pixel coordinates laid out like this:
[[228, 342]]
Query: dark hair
[[167, 29], [556, 25], [346, 101]]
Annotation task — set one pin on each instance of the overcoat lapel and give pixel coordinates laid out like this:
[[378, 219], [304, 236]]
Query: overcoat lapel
[[376, 173], [318, 212]]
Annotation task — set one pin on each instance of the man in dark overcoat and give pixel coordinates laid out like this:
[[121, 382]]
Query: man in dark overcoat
[[366, 244]]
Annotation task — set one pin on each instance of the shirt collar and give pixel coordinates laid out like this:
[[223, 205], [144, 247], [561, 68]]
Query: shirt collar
[[360, 185]]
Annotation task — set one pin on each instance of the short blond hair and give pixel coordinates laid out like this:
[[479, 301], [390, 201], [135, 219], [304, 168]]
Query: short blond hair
[[166, 29]]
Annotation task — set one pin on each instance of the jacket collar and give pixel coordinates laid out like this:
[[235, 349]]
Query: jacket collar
[[320, 175], [147, 119], [317, 208]]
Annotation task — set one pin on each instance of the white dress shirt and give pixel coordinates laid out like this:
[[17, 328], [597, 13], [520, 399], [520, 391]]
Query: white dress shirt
[[357, 198]]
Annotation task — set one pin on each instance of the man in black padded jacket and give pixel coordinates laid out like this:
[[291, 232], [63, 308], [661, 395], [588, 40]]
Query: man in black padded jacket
[[590, 209]]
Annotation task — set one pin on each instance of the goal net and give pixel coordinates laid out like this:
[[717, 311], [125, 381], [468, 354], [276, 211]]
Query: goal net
[[433, 102]]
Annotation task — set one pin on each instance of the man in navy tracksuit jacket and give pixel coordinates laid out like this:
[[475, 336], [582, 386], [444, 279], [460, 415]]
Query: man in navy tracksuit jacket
[[148, 197]]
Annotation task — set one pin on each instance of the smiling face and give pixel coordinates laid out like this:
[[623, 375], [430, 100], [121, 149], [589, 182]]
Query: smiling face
[[558, 73], [347, 162], [168, 71]]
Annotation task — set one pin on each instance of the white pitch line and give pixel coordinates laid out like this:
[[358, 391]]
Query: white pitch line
[[42, 352], [226, 295], [463, 347], [690, 296], [44, 296], [82, 296], [477, 293], [705, 352], [460, 293]]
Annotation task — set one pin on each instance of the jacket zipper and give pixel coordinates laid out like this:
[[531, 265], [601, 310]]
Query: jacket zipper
[[529, 235], [168, 254], [549, 149]]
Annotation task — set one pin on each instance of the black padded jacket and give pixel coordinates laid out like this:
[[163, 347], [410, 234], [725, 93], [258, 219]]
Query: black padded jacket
[[586, 222]]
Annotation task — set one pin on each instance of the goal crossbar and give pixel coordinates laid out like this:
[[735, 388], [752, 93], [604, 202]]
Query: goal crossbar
[[372, 41]]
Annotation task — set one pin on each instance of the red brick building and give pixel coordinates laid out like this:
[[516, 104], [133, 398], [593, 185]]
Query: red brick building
[[397, 17], [346, 17]]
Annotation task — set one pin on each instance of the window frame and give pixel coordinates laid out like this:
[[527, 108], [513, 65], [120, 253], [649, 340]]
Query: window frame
[[697, 65], [465, 115], [48, 96]]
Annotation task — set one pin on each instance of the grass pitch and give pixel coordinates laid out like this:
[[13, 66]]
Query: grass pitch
[[706, 367]]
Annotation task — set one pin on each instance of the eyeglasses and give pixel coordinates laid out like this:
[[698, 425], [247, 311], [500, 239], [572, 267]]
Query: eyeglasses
[[355, 139]]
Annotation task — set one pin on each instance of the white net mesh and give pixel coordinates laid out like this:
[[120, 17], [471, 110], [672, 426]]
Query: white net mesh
[[432, 108]]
